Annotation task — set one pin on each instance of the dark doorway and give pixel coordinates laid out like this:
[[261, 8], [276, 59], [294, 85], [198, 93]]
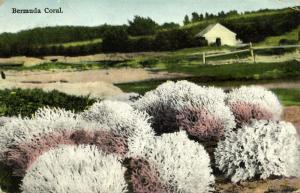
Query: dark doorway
[[218, 42]]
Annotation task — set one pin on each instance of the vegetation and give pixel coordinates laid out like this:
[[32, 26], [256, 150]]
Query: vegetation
[[288, 96], [258, 71], [25, 102], [144, 34], [275, 40], [142, 26], [115, 40], [35, 42], [250, 27], [79, 43]]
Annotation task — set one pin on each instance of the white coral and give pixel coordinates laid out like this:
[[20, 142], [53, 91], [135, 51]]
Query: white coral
[[45, 121], [262, 148], [258, 96], [72, 169], [122, 119], [183, 94], [183, 165]]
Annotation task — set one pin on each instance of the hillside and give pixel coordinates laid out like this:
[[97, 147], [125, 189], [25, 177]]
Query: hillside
[[79, 40]]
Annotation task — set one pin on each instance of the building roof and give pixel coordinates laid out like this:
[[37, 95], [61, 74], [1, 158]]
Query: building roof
[[210, 27]]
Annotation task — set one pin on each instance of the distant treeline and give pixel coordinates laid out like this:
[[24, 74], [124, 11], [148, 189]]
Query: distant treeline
[[198, 17], [255, 29], [144, 34]]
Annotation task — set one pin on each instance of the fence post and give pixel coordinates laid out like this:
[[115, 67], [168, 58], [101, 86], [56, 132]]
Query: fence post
[[252, 52], [204, 58]]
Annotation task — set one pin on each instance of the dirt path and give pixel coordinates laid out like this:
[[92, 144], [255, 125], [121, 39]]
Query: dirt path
[[285, 185], [292, 114], [110, 75], [294, 84], [97, 83]]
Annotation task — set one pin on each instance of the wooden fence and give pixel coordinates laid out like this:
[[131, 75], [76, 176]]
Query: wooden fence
[[251, 49]]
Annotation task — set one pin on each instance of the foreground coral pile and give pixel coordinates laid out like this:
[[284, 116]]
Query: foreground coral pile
[[261, 149], [176, 159], [168, 141], [253, 102], [72, 169], [201, 111]]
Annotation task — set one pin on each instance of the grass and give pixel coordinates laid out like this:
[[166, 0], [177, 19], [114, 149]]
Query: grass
[[274, 40], [237, 71], [14, 102], [189, 60], [79, 43], [288, 97], [230, 75], [59, 65], [234, 17]]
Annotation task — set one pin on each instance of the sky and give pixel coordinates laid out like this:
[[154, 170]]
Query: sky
[[97, 12]]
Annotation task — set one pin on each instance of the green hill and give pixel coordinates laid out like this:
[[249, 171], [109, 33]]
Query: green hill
[[265, 26]]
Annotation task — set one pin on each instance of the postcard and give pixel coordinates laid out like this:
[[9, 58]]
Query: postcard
[[149, 96]]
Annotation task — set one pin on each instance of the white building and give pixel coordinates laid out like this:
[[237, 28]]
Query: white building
[[217, 31]]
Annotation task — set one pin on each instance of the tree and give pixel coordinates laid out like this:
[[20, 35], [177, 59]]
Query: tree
[[206, 15], [201, 16], [221, 14], [115, 39], [186, 20], [142, 26], [170, 25], [195, 17]]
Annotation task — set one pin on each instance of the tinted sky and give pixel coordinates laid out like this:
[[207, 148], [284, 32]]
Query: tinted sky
[[97, 12]]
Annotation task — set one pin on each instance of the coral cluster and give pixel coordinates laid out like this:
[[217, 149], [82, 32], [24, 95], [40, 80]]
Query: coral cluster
[[106, 141], [247, 103], [182, 165], [122, 120], [261, 149], [71, 169], [171, 103], [45, 122], [144, 177], [145, 146], [200, 124]]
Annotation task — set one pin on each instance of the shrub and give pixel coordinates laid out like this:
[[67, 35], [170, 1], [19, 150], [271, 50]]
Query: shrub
[[171, 103], [73, 169], [26, 102], [183, 165], [253, 102], [261, 149]]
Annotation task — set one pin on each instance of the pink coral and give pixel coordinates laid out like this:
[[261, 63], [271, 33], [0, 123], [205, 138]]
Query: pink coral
[[245, 112], [163, 118], [104, 140], [21, 157], [110, 143], [144, 178], [199, 123]]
